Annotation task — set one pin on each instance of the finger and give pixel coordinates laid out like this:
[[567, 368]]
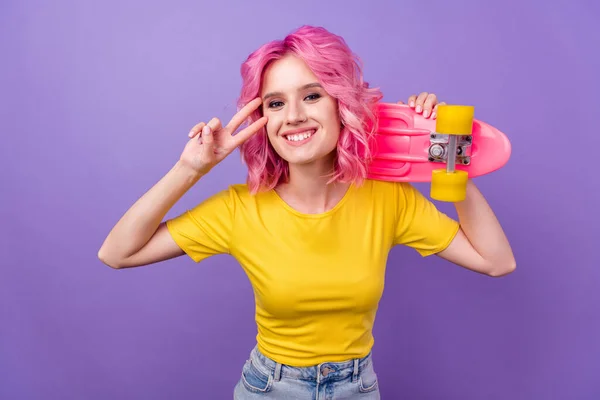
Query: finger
[[411, 100], [419, 102], [196, 129], [428, 105], [243, 115], [250, 130], [207, 142], [434, 113], [400, 102], [214, 124]]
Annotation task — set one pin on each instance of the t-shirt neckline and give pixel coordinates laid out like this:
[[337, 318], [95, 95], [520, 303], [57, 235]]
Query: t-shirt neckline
[[317, 215]]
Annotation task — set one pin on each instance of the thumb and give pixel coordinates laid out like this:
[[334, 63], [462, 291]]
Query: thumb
[[207, 142]]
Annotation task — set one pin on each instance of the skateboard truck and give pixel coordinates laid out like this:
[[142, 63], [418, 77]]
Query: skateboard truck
[[443, 144], [451, 144]]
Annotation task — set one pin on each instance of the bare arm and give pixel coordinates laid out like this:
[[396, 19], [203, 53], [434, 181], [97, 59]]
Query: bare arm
[[140, 238], [480, 244]]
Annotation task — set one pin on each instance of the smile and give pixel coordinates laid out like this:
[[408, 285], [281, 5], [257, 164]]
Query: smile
[[300, 136]]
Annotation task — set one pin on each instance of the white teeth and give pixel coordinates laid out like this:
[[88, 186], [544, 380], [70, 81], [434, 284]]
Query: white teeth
[[299, 136]]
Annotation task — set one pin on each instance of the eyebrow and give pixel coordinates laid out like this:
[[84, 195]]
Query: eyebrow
[[310, 85]]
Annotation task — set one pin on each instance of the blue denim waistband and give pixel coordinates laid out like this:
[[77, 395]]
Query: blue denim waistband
[[324, 371]]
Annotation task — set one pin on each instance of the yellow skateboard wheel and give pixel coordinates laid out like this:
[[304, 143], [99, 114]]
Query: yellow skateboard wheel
[[449, 186], [455, 119]]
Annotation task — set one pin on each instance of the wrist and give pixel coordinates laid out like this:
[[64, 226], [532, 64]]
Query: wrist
[[188, 173]]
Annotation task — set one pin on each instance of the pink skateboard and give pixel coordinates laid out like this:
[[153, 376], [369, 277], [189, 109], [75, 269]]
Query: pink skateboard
[[410, 148]]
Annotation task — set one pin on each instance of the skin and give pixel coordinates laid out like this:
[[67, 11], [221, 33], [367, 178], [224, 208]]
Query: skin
[[295, 107], [290, 100]]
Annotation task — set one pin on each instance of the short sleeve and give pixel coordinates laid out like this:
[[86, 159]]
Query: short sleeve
[[420, 225], [206, 229]]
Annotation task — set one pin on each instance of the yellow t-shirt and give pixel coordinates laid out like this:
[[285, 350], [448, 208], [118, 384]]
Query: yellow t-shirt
[[317, 278]]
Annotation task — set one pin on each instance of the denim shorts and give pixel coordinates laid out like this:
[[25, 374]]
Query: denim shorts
[[263, 378]]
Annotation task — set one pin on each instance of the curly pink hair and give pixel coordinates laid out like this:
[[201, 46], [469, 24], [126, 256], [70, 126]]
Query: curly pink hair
[[339, 70]]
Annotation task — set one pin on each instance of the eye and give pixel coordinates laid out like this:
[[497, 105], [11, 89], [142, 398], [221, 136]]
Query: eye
[[276, 104], [313, 96]]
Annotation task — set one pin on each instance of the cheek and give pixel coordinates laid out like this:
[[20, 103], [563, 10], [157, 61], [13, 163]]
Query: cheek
[[272, 126], [331, 115], [334, 123]]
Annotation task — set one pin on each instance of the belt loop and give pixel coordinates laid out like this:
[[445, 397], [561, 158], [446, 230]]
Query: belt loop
[[355, 372], [277, 374]]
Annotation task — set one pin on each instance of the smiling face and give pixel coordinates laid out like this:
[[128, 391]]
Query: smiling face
[[304, 124]]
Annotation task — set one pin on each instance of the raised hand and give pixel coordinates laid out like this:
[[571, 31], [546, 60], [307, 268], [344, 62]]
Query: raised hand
[[210, 143], [425, 103]]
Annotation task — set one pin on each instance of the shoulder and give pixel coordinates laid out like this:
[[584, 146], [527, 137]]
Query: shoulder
[[399, 195], [376, 196], [231, 193], [224, 199], [240, 193], [386, 188], [239, 198], [237, 191]]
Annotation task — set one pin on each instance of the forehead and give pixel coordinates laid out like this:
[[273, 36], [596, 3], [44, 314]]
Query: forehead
[[287, 73]]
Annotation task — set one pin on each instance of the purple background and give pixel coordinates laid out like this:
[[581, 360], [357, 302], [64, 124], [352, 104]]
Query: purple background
[[96, 102]]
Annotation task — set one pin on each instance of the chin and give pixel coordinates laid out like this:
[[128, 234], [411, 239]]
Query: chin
[[309, 159], [296, 159]]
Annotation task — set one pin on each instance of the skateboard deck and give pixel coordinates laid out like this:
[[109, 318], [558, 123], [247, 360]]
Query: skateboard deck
[[407, 147]]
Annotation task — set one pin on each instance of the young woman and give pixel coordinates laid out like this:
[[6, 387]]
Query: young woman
[[311, 232]]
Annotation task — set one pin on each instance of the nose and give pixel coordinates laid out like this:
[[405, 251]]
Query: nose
[[296, 114]]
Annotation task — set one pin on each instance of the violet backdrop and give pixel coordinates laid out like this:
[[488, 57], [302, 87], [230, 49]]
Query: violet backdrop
[[96, 102]]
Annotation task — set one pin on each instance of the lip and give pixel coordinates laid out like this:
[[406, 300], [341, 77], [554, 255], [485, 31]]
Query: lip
[[294, 131]]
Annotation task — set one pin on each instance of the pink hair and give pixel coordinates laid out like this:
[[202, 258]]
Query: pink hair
[[339, 71]]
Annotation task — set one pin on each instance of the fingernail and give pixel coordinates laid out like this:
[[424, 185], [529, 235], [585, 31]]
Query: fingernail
[[412, 103], [433, 115], [419, 109], [426, 113], [206, 130]]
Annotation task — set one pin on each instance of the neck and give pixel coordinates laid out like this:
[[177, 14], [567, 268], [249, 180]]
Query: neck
[[307, 189]]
